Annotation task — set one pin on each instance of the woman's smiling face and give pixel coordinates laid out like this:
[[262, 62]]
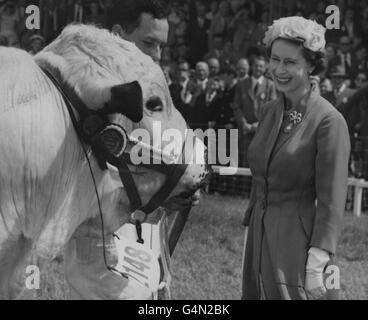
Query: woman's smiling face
[[288, 67]]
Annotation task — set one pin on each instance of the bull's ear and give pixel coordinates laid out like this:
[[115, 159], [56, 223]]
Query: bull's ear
[[127, 99]]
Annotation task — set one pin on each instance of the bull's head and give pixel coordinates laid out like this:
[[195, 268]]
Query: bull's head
[[112, 76]]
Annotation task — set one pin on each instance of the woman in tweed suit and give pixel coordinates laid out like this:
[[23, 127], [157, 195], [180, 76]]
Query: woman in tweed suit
[[299, 162]]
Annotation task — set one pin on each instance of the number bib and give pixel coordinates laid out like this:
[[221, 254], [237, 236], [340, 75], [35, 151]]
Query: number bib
[[136, 260]]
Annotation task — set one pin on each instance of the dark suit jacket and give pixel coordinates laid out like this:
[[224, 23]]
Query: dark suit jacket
[[175, 92], [247, 104], [338, 61], [223, 113], [196, 35], [340, 101], [203, 112], [298, 192]]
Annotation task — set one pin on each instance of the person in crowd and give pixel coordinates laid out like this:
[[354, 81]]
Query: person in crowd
[[360, 80], [228, 56], [219, 24], [350, 26], [224, 117], [206, 105], [331, 52], [361, 64], [214, 67], [250, 96], [9, 23], [94, 14], [197, 32], [245, 34], [341, 92], [199, 84], [325, 87], [178, 90], [49, 20], [213, 10], [345, 58], [79, 12], [37, 43], [242, 69], [299, 163], [217, 50]]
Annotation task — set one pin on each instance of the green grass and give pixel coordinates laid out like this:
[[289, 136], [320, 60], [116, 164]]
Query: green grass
[[214, 233], [207, 260]]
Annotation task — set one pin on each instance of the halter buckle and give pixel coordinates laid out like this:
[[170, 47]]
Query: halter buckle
[[138, 215]]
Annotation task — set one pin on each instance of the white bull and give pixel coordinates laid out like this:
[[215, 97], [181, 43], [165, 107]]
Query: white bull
[[47, 198]]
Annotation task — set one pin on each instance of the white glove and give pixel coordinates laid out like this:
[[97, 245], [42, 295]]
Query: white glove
[[317, 261]]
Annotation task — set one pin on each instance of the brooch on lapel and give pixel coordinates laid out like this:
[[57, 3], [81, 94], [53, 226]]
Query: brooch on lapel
[[294, 119]]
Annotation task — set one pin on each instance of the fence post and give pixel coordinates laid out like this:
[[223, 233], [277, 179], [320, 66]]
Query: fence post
[[358, 192]]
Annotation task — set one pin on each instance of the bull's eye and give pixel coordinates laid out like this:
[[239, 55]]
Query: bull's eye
[[154, 104]]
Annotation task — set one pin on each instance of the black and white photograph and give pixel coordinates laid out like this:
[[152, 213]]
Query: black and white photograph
[[181, 150]]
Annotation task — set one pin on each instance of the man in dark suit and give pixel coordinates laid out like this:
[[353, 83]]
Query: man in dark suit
[[206, 105], [250, 95], [197, 32], [345, 58], [341, 93], [178, 89]]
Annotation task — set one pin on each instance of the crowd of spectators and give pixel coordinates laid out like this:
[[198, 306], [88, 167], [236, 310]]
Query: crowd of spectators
[[214, 60]]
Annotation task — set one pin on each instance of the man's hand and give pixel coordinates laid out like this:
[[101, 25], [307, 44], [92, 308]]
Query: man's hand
[[246, 127], [254, 127]]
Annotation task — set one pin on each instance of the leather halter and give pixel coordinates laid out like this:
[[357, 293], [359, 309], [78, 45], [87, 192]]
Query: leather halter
[[99, 142]]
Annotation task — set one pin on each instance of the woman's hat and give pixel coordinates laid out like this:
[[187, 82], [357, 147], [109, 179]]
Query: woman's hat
[[308, 32]]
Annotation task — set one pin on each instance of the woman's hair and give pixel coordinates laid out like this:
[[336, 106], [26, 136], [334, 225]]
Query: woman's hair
[[316, 59]]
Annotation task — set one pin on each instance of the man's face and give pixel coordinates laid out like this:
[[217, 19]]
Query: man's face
[[218, 43], [337, 81], [37, 45], [258, 68], [202, 71], [150, 35], [242, 68], [183, 72], [214, 66], [345, 44]]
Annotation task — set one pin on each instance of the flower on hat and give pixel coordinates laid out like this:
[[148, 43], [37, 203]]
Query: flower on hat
[[309, 32]]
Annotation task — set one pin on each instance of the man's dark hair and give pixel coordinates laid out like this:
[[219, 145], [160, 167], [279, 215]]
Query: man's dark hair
[[127, 13], [257, 58]]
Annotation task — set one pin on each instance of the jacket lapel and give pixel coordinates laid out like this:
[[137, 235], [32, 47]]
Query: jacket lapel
[[276, 122]]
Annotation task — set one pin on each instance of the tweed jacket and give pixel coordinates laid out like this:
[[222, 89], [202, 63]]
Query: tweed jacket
[[298, 192]]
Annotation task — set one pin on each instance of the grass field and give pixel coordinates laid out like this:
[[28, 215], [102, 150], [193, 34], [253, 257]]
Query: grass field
[[207, 261]]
